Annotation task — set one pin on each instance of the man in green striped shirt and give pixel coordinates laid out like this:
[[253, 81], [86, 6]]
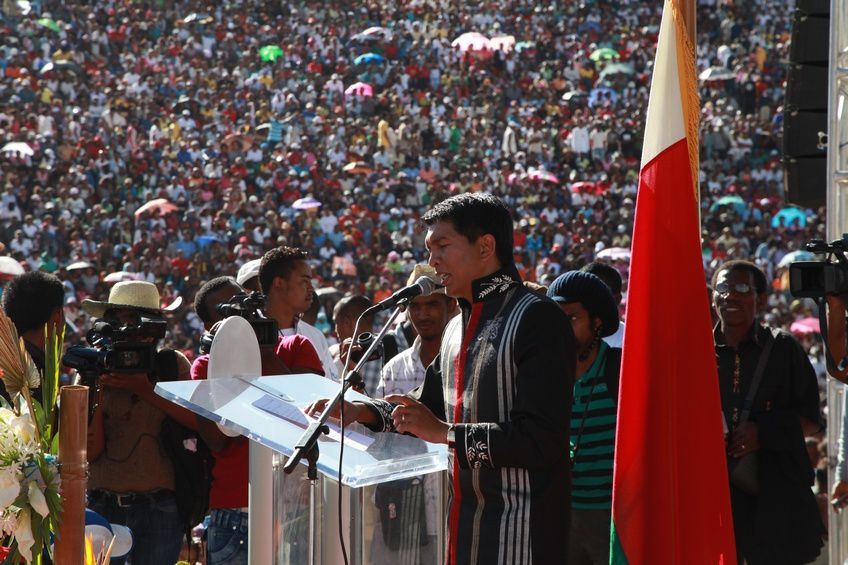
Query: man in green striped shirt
[[591, 308]]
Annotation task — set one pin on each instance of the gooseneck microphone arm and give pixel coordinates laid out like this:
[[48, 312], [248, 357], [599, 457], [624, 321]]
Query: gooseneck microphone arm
[[308, 440]]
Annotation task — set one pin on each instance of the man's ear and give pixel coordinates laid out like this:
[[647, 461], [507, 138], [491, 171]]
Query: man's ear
[[57, 318], [486, 245]]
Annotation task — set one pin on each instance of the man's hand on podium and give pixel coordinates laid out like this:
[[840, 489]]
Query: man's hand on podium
[[353, 410], [410, 416]]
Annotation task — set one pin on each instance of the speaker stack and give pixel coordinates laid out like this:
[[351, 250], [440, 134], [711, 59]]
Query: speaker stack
[[805, 110]]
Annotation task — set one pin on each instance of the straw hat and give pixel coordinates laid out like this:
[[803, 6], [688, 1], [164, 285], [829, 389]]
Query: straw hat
[[425, 270], [140, 295]]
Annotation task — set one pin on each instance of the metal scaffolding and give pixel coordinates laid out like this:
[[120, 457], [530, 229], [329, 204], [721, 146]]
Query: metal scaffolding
[[837, 224]]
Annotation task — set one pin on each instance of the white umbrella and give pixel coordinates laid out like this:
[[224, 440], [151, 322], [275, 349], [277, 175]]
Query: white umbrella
[[307, 203], [716, 73], [78, 265], [10, 266], [18, 147], [120, 276], [614, 253]]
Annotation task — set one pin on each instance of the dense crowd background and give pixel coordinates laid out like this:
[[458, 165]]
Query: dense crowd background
[[236, 114]]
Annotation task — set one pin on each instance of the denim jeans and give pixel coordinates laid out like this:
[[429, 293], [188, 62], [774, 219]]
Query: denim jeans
[[226, 537], [151, 517]]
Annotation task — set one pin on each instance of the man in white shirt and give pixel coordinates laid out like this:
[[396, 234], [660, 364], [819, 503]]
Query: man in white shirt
[[404, 372]]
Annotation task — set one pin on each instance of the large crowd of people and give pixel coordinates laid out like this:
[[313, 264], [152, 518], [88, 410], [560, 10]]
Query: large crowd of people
[[176, 142], [240, 117]]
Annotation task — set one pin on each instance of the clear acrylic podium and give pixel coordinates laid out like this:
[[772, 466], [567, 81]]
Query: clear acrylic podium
[[392, 493]]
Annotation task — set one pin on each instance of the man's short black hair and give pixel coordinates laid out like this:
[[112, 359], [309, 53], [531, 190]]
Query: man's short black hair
[[476, 214], [279, 262], [201, 299], [760, 280], [31, 298], [350, 307], [606, 273]]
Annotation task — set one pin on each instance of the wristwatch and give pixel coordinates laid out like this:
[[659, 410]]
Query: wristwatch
[[451, 437]]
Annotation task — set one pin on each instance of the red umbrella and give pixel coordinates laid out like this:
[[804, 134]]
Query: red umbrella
[[806, 326], [162, 205], [582, 186]]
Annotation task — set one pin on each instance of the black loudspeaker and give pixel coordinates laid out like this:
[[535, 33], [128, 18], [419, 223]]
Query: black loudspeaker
[[806, 181], [805, 108], [805, 134]]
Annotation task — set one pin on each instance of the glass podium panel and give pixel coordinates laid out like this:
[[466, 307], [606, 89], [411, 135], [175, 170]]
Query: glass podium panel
[[393, 493], [268, 410]]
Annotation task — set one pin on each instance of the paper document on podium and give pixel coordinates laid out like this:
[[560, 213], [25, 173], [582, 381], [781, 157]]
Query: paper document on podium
[[291, 413]]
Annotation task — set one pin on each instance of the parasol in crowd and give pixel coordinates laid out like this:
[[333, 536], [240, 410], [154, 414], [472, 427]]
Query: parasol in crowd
[[374, 33], [270, 53], [49, 24], [161, 205], [10, 266], [78, 266], [716, 73], [614, 254], [540, 175], [793, 256], [806, 326], [472, 41], [505, 43], [788, 217], [369, 58], [604, 54], [120, 276], [18, 147], [357, 168], [359, 89], [306, 203]]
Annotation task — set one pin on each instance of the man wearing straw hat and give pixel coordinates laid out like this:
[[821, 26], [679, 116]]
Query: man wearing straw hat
[[131, 479]]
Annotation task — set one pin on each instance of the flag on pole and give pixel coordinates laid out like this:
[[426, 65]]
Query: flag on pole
[[671, 501]]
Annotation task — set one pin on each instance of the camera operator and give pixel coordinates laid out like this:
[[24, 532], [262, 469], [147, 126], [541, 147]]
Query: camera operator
[[131, 479], [228, 517], [33, 301]]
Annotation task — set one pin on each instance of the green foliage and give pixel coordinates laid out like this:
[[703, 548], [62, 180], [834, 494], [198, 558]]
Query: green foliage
[[53, 345]]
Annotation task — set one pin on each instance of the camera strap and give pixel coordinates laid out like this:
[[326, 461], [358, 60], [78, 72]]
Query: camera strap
[[832, 365]]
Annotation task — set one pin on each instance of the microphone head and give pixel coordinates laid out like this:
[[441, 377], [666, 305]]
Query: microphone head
[[427, 285]]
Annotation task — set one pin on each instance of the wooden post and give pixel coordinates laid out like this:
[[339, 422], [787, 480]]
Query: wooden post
[[73, 437]]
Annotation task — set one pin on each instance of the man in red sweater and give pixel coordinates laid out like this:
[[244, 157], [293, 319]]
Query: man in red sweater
[[227, 531]]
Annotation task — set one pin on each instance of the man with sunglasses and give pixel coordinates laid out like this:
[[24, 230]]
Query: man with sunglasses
[[770, 402]]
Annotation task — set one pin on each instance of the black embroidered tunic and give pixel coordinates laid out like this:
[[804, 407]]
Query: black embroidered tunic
[[504, 376]]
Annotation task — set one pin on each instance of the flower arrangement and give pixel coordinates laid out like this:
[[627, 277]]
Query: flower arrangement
[[30, 504]]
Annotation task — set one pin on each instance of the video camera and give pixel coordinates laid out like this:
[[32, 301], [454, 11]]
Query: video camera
[[249, 307], [117, 349], [816, 279]]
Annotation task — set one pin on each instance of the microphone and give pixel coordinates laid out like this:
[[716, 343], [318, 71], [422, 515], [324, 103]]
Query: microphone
[[422, 287]]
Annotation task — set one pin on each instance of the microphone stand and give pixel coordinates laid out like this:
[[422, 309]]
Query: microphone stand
[[307, 445]]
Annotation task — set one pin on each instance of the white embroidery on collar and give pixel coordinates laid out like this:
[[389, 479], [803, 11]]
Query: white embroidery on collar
[[499, 283]]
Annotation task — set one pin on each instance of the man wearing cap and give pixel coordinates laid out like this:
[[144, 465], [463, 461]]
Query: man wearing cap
[[590, 306], [131, 479], [498, 394], [612, 278]]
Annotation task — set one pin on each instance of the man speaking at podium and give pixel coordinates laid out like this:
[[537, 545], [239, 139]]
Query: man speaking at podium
[[499, 394]]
